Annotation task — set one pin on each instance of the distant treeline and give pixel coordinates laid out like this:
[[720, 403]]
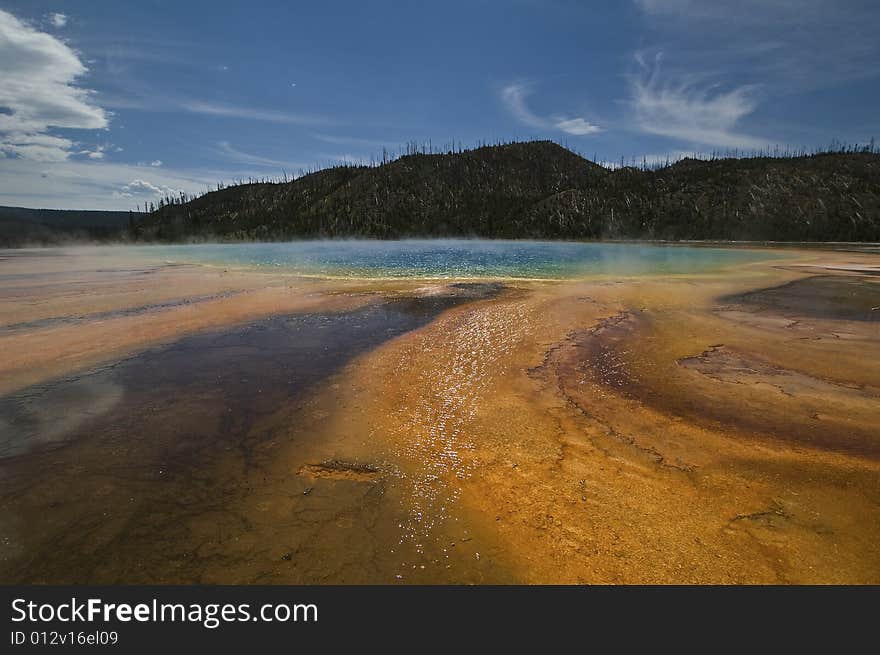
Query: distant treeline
[[23, 227], [543, 190]]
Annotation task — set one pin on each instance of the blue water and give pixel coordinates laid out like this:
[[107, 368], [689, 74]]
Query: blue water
[[439, 259]]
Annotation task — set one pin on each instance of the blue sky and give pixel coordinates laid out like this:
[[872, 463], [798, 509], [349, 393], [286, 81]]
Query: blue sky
[[107, 104]]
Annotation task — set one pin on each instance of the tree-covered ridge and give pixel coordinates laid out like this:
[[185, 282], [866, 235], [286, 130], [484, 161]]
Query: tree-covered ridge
[[542, 190]]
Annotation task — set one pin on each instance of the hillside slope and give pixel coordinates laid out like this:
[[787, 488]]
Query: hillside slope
[[542, 190]]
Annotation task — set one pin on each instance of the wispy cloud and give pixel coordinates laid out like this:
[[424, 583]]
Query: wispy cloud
[[514, 98], [38, 93], [162, 103], [687, 108], [789, 45], [229, 152], [249, 113], [57, 20], [724, 61], [355, 141]]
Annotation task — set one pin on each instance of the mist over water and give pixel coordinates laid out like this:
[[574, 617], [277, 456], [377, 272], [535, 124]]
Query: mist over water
[[440, 259]]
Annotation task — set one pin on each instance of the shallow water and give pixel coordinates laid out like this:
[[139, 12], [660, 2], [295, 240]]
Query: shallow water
[[459, 258], [259, 365], [125, 443]]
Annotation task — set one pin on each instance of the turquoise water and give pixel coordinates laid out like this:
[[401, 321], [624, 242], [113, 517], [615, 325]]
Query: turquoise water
[[440, 259]]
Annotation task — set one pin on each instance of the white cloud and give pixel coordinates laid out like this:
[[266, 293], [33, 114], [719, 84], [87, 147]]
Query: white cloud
[[36, 147], [95, 184], [143, 188], [686, 108], [577, 126], [38, 93], [97, 153], [514, 98], [58, 20], [156, 163]]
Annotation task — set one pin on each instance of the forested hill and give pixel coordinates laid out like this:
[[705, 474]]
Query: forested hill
[[542, 190]]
